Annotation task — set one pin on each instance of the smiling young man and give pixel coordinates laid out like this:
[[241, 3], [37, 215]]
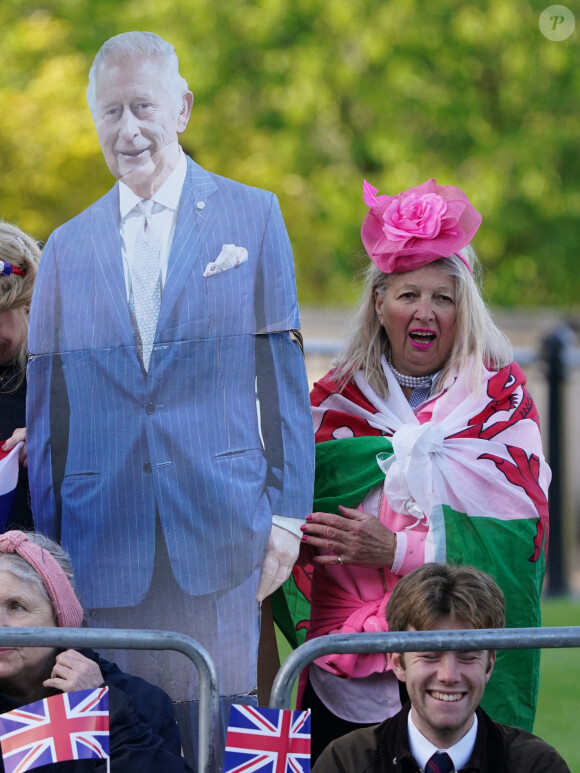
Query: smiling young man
[[442, 728]]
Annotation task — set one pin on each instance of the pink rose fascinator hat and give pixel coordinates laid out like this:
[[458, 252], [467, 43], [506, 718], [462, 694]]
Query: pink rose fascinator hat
[[68, 609], [428, 222]]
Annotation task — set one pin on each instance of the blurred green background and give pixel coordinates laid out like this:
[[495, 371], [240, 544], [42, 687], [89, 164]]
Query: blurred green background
[[307, 98], [559, 696]]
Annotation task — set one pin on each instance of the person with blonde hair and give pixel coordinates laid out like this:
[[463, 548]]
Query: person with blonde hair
[[19, 257], [428, 449]]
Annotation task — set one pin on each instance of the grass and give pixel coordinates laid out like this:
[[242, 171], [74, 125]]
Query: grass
[[559, 698]]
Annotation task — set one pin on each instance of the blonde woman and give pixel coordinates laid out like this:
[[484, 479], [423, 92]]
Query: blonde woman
[[427, 449], [19, 256]]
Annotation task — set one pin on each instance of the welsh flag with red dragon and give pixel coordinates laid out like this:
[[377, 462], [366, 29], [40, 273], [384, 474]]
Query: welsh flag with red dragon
[[472, 466]]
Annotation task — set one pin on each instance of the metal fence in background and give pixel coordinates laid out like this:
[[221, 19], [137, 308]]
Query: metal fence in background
[[414, 641], [559, 357]]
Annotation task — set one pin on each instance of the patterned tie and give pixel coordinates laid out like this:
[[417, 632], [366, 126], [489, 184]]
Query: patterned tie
[[145, 296], [420, 394], [440, 762]]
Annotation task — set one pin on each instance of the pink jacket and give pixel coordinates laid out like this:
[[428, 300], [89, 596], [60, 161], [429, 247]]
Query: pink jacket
[[353, 599]]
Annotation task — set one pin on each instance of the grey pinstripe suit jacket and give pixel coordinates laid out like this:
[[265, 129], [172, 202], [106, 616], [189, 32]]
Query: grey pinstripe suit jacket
[[108, 444]]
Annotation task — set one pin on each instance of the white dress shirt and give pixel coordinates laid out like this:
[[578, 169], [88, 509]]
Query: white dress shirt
[[163, 218], [422, 749]]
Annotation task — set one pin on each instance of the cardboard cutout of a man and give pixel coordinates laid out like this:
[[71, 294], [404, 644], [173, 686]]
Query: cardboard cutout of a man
[[170, 439]]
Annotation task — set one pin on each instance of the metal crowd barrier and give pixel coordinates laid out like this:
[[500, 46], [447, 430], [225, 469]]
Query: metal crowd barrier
[[406, 641], [414, 641], [139, 640]]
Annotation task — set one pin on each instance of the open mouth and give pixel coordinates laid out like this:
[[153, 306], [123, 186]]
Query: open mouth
[[447, 697], [422, 339]]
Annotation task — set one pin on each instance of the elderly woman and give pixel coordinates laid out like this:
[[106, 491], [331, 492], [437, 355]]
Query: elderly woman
[[36, 590], [19, 256], [428, 449]]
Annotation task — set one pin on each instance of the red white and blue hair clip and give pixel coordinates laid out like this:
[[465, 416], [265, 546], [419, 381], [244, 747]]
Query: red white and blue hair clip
[[7, 268]]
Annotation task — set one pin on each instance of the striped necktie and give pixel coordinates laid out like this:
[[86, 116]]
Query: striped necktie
[[440, 762]]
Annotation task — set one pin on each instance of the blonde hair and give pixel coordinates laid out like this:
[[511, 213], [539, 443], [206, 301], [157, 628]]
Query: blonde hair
[[21, 251], [478, 338]]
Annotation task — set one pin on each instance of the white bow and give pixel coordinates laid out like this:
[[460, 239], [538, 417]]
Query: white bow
[[409, 471]]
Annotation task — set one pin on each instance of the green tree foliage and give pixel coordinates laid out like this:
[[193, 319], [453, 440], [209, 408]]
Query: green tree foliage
[[307, 98]]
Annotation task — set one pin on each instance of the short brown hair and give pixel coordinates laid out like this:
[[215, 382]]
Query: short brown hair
[[435, 590]]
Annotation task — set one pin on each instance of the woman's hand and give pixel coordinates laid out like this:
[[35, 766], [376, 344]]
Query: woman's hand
[[73, 671], [18, 436], [353, 537]]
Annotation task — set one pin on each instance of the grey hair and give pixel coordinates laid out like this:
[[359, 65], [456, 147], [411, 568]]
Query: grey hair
[[19, 567], [478, 338], [134, 45], [21, 251]]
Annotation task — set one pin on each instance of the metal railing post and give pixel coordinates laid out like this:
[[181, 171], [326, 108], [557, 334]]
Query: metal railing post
[[554, 350], [414, 641]]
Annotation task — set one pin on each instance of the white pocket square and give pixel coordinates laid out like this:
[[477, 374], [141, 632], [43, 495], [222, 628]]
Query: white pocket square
[[230, 257]]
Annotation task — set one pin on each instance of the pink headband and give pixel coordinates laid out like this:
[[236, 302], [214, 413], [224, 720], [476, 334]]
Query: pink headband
[[428, 222], [68, 610]]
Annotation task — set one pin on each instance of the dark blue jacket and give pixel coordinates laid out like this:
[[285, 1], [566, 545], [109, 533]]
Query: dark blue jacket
[[144, 735]]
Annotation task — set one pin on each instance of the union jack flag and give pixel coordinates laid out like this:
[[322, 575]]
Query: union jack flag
[[69, 726], [267, 740], [8, 481]]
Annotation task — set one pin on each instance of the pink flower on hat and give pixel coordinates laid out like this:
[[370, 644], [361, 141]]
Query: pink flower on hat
[[428, 222]]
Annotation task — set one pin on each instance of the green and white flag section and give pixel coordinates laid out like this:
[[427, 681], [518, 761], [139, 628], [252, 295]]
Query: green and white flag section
[[470, 468]]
